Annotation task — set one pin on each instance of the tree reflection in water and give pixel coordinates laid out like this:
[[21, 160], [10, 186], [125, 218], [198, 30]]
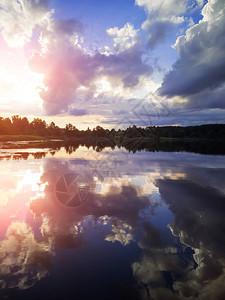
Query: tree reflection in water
[[125, 215]]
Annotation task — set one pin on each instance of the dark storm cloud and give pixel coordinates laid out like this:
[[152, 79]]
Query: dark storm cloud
[[208, 98]]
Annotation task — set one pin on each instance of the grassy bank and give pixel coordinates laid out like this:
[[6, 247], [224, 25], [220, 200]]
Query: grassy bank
[[16, 138]]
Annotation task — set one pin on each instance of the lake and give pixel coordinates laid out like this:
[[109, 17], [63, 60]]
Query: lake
[[83, 224]]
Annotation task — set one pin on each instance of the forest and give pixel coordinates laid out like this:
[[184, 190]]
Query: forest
[[17, 125]]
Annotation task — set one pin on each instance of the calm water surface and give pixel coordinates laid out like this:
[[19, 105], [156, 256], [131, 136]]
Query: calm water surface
[[111, 225]]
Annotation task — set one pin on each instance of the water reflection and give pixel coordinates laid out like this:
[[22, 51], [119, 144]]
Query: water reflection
[[24, 260], [153, 224], [199, 223], [203, 146]]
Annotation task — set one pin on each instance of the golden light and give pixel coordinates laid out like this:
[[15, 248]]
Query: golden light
[[22, 88], [31, 181], [19, 87]]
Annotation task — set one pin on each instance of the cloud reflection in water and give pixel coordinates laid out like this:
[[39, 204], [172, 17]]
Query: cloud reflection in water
[[130, 210]]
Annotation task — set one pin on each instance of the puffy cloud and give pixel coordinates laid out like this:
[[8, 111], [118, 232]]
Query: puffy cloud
[[161, 264], [197, 214], [121, 232], [201, 62], [199, 223], [124, 203], [18, 19], [24, 261], [168, 270], [67, 66], [164, 8], [124, 38], [162, 17], [64, 65], [195, 85]]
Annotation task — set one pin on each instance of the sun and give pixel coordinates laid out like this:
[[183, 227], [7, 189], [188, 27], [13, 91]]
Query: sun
[[19, 87], [28, 88], [23, 88]]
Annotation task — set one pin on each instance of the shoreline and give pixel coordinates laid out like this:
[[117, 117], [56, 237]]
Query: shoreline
[[27, 138]]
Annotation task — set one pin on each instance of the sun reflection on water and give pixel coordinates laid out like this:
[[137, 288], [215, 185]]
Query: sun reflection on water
[[151, 204]]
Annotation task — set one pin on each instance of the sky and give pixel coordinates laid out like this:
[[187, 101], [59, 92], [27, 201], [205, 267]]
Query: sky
[[113, 63]]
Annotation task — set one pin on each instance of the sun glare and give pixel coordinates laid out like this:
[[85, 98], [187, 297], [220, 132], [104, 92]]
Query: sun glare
[[19, 87], [32, 180], [23, 88]]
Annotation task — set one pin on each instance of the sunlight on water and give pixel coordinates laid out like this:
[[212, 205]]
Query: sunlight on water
[[151, 224]]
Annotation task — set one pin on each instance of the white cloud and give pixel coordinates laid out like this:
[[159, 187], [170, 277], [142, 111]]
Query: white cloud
[[18, 19], [121, 232], [67, 66], [163, 16], [24, 261], [124, 38], [164, 8]]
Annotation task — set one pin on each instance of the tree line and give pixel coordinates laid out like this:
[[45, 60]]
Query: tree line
[[17, 125]]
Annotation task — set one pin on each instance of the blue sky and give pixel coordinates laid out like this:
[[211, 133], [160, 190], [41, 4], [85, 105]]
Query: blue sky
[[113, 63]]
